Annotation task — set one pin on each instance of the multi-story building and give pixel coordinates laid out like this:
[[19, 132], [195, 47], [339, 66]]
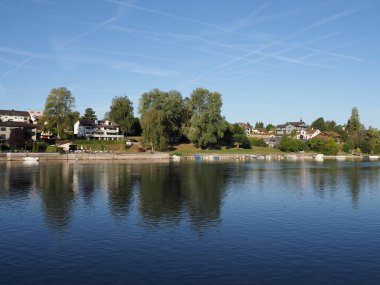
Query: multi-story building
[[6, 127], [289, 127], [97, 130], [14, 116]]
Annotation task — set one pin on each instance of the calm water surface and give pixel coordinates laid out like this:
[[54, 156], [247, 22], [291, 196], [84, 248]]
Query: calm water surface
[[186, 223]]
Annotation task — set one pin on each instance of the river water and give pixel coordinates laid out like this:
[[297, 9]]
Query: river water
[[190, 222]]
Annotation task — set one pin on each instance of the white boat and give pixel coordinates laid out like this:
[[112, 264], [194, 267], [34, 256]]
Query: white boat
[[340, 157], [291, 157], [373, 157], [319, 157], [176, 157], [31, 159]]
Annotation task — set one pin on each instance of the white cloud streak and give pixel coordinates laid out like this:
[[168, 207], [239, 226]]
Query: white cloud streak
[[85, 33], [168, 15]]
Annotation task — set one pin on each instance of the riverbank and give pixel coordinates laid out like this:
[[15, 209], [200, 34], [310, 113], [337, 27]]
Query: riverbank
[[85, 156], [167, 157]]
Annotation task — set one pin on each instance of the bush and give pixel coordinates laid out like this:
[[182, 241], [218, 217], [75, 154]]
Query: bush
[[257, 142], [4, 147], [347, 148], [42, 146], [328, 147], [291, 145], [53, 149]]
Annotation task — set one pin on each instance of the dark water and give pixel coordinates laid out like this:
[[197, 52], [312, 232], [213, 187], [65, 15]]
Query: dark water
[[204, 223]]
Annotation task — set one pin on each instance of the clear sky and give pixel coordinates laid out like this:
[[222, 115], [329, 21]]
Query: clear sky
[[272, 61]]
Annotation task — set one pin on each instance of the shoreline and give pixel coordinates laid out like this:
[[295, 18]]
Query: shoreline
[[168, 157]]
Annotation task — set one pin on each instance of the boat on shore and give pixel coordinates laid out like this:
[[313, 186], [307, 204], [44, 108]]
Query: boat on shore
[[319, 157], [31, 159], [340, 157]]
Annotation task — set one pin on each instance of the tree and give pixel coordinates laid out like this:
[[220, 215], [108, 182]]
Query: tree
[[355, 131], [58, 107], [89, 114], [270, 127], [206, 125], [161, 117], [290, 144], [259, 125], [121, 112], [239, 136], [319, 124], [18, 138]]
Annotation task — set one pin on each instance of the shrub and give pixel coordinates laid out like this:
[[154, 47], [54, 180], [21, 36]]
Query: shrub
[[290, 144], [4, 147], [257, 142], [53, 149], [347, 148], [328, 147]]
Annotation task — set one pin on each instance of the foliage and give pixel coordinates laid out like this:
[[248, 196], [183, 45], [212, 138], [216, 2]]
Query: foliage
[[289, 144], [347, 148], [270, 127], [19, 138], [42, 146], [371, 141], [258, 142], [58, 111], [355, 131], [325, 146], [239, 136], [89, 114], [121, 112], [4, 147], [136, 127], [319, 124], [161, 117], [206, 125], [54, 149], [259, 125]]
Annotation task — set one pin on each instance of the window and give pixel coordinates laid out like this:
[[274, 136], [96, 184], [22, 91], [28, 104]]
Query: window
[[2, 129]]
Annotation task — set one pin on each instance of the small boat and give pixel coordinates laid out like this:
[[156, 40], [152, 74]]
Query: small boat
[[373, 157], [31, 159], [291, 157], [176, 157], [340, 157], [319, 157]]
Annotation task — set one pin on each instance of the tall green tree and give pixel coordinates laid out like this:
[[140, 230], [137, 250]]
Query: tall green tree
[[259, 125], [121, 112], [58, 107], [89, 114], [319, 124], [206, 125], [161, 117], [239, 136], [355, 131], [270, 127]]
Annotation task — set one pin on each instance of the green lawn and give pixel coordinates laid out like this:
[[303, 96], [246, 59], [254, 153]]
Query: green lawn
[[191, 149]]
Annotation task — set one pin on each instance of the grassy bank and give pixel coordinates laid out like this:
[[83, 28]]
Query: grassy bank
[[191, 149]]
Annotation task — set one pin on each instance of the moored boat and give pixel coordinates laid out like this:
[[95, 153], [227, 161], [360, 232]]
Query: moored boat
[[31, 159]]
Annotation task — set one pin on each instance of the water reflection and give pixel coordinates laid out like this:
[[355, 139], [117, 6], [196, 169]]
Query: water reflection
[[170, 193]]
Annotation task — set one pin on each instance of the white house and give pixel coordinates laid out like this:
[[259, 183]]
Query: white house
[[14, 116], [307, 134], [97, 130], [289, 127], [248, 129]]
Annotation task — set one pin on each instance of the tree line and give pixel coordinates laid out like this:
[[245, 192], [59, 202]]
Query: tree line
[[166, 117]]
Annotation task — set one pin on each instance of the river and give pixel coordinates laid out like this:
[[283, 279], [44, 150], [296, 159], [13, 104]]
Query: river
[[190, 222]]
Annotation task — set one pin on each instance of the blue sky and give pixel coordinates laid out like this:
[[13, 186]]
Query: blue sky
[[272, 61]]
